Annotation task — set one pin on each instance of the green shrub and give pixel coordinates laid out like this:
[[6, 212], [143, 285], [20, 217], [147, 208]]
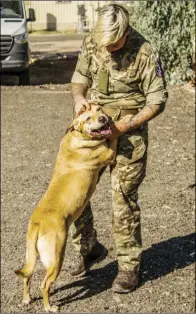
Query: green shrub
[[170, 26]]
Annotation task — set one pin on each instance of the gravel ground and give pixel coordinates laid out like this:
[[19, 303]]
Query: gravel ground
[[34, 120]]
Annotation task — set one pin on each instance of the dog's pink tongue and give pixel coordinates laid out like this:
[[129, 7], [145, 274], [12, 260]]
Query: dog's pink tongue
[[106, 132]]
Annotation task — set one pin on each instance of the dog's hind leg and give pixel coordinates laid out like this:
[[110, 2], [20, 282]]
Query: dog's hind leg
[[31, 258], [51, 252], [26, 295]]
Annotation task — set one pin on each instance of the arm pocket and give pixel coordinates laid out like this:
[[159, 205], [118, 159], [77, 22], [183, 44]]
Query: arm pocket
[[83, 66]]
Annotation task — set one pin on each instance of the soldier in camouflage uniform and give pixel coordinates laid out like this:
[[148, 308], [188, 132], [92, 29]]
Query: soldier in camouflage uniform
[[124, 75]]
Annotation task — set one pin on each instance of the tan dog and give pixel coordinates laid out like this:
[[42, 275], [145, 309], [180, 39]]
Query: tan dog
[[83, 152]]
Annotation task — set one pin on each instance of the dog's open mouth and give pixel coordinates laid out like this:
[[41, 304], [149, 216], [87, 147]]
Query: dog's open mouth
[[103, 131]]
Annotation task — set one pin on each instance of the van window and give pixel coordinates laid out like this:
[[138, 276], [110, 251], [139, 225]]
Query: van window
[[11, 9]]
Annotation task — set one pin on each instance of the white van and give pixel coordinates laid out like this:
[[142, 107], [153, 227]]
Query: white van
[[14, 46]]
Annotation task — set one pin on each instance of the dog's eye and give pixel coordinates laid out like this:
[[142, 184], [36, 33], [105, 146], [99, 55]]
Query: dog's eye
[[98, 109], [88, 118]]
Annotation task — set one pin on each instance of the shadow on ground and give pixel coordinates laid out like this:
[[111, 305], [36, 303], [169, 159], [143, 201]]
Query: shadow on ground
[[55, 69], [157, 261]]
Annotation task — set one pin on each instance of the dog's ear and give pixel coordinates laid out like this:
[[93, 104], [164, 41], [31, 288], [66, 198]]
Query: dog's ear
[[73, 126], [70, 128]]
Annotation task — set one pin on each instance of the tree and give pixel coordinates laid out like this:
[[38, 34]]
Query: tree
[[170, 26]]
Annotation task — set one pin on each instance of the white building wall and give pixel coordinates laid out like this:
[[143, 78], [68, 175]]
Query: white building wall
[[62, 16]]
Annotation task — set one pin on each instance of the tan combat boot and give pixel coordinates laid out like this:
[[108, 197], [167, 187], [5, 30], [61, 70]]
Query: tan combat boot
[[97, 254], [125, 282]]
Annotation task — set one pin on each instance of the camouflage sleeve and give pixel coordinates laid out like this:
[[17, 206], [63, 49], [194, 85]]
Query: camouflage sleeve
[[152, 77], [82, 74]]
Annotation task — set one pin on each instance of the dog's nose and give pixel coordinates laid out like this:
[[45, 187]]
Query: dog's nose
[[102, 119]]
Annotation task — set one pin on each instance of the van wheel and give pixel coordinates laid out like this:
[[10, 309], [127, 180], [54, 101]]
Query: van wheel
[[24, 78]]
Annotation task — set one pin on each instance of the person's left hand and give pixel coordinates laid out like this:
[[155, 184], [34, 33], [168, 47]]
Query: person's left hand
[[120, 127]]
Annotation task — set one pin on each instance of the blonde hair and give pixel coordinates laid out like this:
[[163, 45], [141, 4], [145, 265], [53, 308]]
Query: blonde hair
[[112, 23]]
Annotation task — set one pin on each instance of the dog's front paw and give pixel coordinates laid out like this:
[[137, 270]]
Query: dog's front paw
[[53, 309], [26, 301]]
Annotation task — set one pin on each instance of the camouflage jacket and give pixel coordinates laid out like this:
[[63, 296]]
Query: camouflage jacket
[[128, 78]]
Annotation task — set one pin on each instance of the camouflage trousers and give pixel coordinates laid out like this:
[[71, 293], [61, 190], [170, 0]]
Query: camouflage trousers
[[126, 176]]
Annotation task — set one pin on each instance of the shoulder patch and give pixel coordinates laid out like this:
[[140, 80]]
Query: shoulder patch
[[157, 61], [159, 69]]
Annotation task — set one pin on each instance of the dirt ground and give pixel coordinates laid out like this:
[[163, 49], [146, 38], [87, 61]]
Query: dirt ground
[[34, 119]]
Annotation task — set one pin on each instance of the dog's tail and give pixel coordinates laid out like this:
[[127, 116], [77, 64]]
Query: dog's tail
[[31, 254]]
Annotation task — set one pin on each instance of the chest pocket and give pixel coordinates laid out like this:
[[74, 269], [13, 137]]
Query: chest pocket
[[124, 74], [100, 75], [124, 80]]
